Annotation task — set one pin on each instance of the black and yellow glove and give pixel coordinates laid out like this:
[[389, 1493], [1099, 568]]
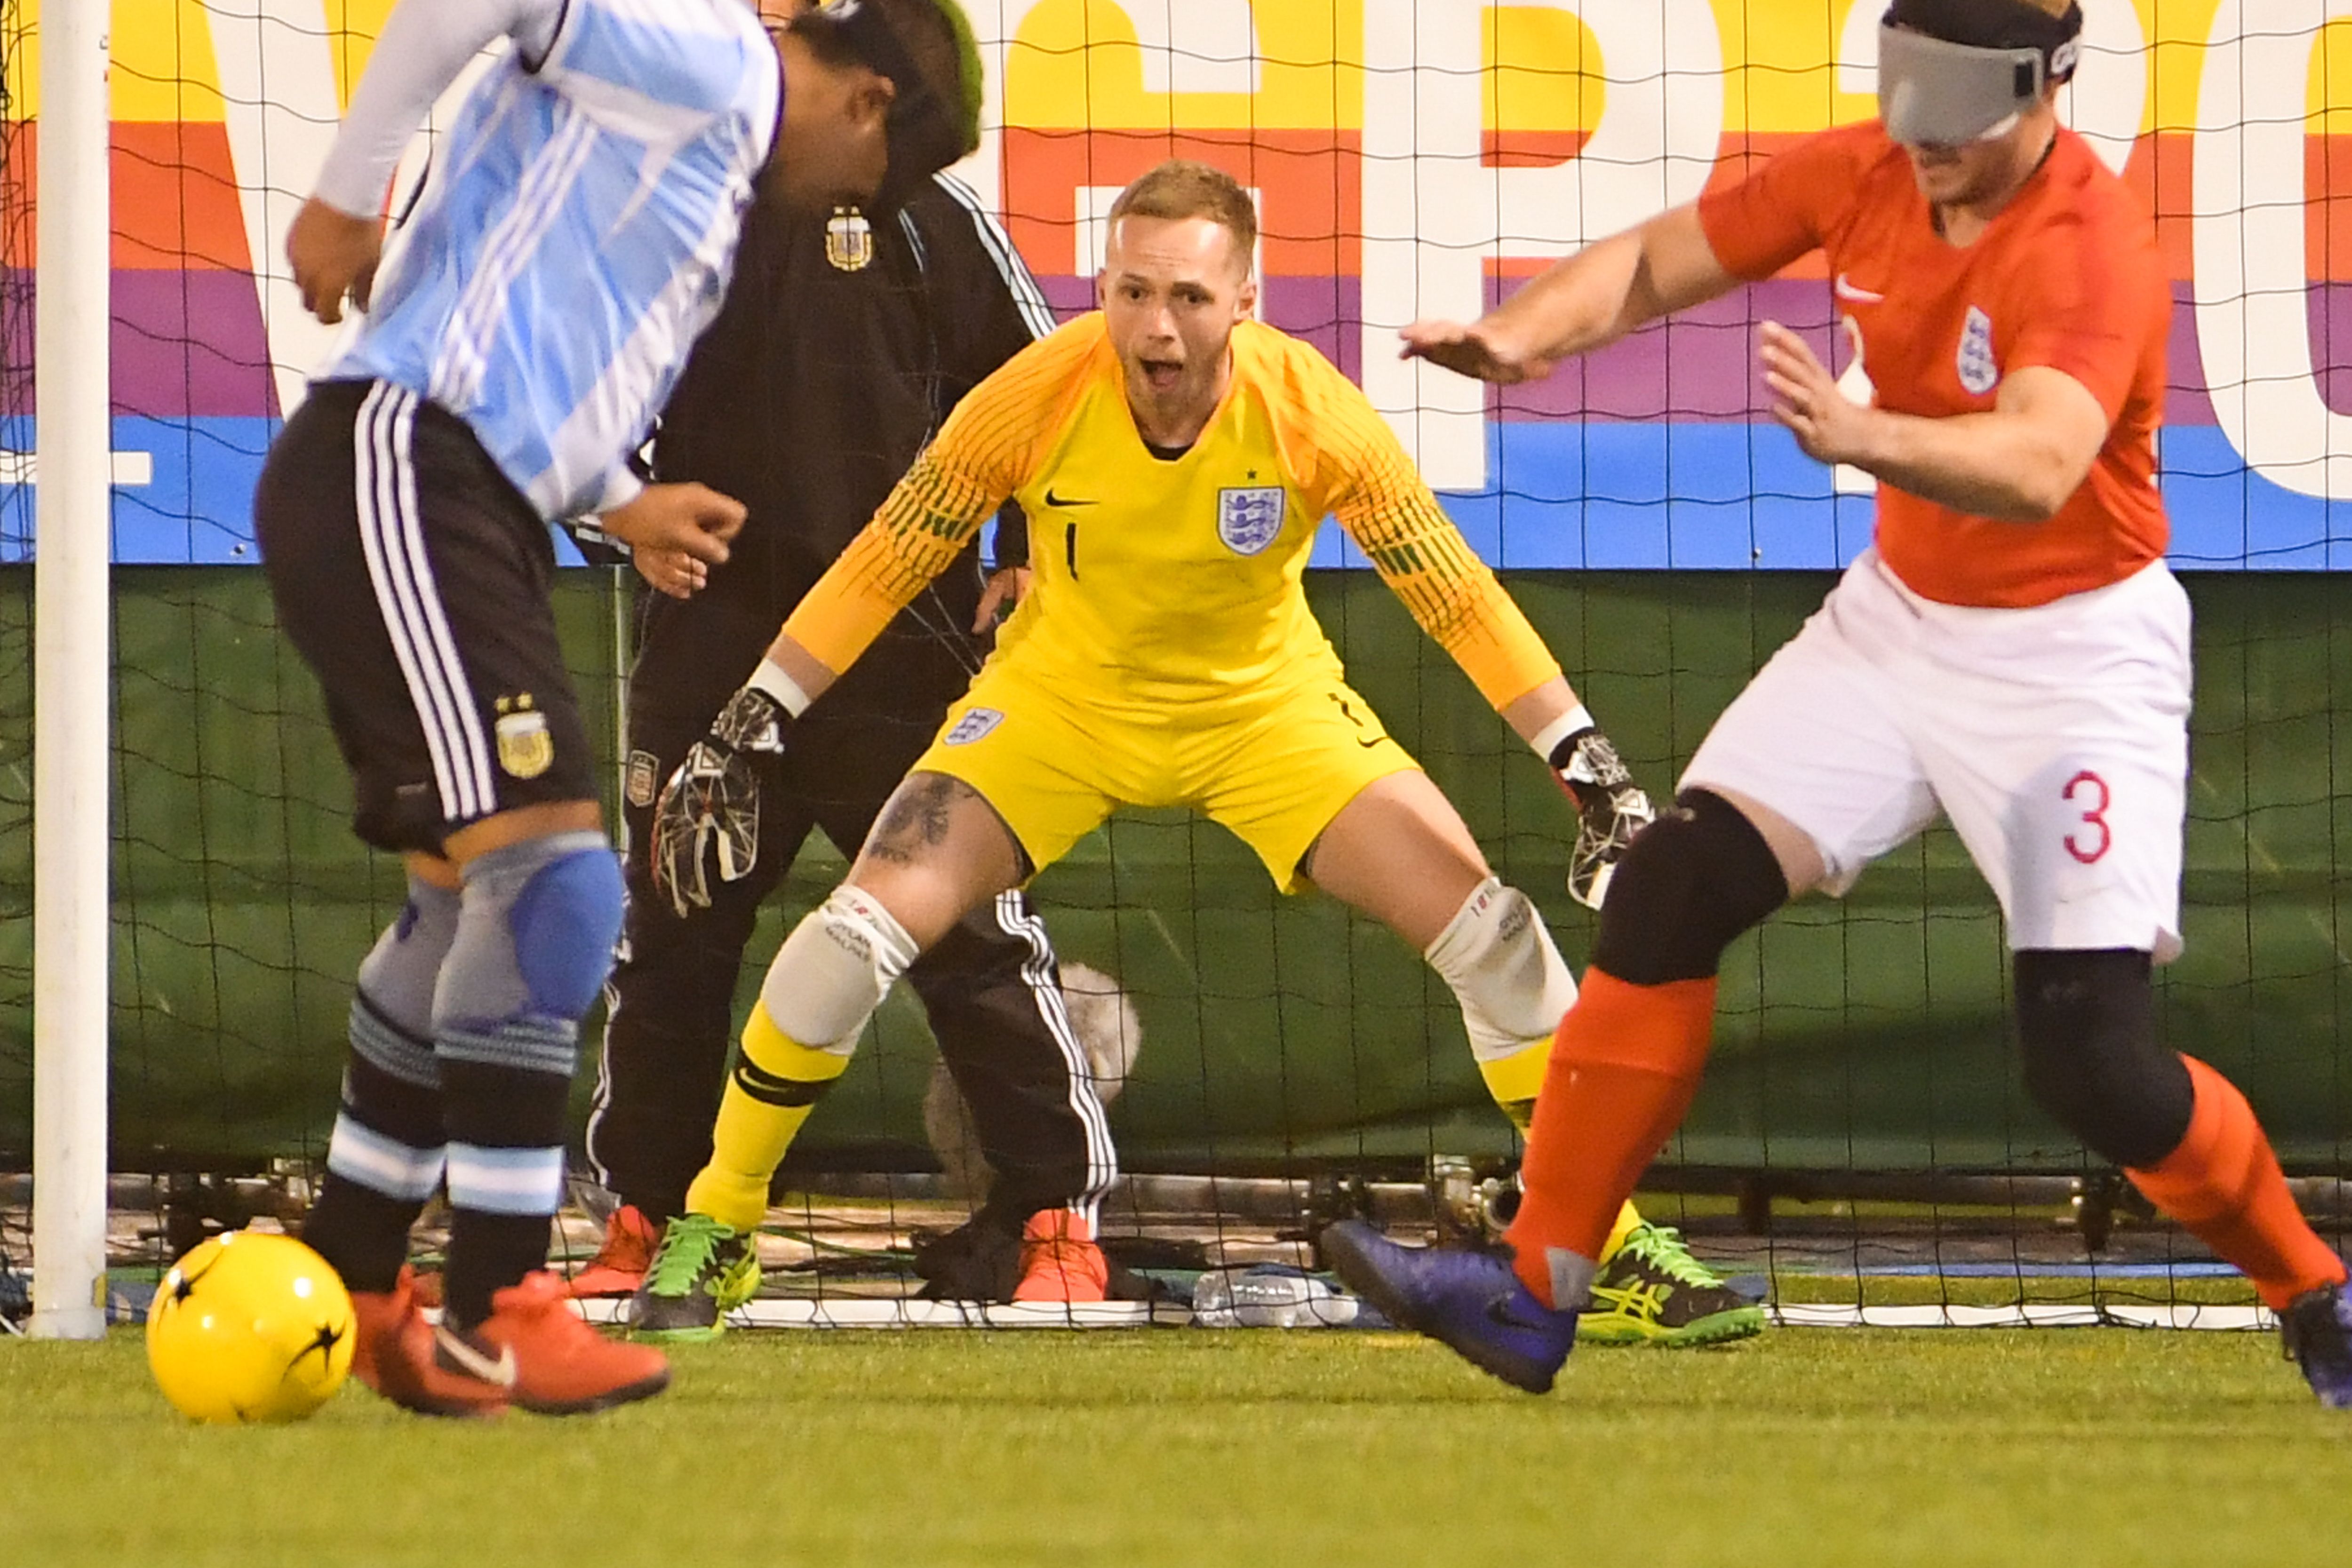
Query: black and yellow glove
[[1610, 808]]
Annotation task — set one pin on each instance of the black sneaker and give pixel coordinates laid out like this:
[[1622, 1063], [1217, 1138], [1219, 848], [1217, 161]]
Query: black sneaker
[[979, 1260], [2318, 1333], [1652, 1291], [702, 1271]]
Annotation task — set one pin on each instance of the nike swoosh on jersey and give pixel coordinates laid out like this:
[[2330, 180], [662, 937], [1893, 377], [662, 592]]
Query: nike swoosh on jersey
[[1054, 500], [1859, 295], [500, 1371]]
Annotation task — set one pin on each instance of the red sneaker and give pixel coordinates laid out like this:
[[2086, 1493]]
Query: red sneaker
[[534, 1346], [391, 1352], [620, 1265], [1059, 1259]]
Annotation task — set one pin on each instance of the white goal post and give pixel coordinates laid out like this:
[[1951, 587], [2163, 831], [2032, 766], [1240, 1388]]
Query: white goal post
[[72, 657]]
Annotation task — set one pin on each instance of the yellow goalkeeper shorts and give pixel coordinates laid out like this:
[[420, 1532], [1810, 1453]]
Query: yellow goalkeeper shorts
[[1274, 771]]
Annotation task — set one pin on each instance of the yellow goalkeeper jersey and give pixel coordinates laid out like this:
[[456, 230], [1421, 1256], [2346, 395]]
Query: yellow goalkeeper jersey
[[1163, 582]]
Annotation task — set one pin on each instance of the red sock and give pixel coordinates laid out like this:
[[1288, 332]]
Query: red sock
[[1625, 1065], [2224, 1185]]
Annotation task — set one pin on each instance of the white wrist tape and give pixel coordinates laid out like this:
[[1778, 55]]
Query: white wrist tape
[[770, 678], [1546, 739]]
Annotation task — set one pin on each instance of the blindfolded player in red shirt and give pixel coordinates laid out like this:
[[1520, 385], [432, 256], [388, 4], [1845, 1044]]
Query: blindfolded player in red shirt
[[2010, 650]]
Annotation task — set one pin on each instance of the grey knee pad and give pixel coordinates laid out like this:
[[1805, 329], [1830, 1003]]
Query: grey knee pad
[[392, 1011], [2086, 1027], [535, 935], [835, 969], [1510, 979]]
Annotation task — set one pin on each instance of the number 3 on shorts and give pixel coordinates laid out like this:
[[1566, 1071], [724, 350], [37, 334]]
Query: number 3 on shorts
[[2091, 837]]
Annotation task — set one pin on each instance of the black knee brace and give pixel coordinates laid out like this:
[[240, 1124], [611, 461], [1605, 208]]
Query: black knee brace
[[2086, 1025], [1690, 882]]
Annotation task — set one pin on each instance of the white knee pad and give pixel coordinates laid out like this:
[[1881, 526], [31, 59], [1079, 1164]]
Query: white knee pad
[[1512, 983], [835, 969]]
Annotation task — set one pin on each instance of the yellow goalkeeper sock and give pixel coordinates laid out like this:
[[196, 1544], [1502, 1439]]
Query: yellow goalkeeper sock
[[1513, 1081], [1629, 1220], [777, 1081]]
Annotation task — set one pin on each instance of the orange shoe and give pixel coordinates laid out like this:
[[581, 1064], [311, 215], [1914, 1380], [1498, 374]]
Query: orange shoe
[[1059, 1259], [429, 1285], [391, 1352], [535, 1347], [620, 1265]]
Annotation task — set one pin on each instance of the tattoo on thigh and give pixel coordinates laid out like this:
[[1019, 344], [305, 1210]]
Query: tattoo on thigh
[[917, 817]]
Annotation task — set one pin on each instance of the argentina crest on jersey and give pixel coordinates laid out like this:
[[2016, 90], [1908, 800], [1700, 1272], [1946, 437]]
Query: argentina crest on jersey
[[1250, 516], [1978, 372], [644, 777], [848, 240], [526, 746]]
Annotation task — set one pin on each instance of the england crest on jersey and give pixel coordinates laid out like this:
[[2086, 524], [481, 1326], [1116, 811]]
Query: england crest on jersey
[[975, 725], [1249, 517], [1978, 372]]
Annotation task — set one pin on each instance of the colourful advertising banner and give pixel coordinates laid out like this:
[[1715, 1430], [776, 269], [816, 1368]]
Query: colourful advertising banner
[[1409, 157]]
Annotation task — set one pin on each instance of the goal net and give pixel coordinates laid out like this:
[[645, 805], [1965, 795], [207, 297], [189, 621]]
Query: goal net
[[1862, 1135]]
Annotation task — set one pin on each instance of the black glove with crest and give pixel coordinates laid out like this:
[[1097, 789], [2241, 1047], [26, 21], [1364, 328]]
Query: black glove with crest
[[709, 808]]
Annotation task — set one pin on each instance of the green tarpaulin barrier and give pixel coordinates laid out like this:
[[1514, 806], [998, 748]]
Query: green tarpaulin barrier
[[1866, 1034]]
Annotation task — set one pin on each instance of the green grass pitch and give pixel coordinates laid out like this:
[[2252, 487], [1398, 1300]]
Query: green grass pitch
[[1194, 1448]]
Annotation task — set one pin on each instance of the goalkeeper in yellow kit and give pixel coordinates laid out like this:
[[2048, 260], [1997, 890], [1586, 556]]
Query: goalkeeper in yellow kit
[[1175, 458]]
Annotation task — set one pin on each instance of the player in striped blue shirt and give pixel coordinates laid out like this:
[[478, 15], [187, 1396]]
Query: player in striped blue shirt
[[576, 236]]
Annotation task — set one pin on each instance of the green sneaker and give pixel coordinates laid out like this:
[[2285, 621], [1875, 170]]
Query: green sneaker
[[1652, 1291], [703, 1270]]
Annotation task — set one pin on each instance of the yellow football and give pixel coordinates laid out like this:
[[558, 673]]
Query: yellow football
[[249, 1327]]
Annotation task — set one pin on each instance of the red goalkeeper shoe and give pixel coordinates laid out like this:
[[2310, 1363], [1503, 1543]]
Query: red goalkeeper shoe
[[620, 1265], [535, 1347], [393, 1354], [1059, 1259]]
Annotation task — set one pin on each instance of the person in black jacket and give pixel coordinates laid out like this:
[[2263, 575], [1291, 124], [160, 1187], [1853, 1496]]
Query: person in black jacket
[[839, 351]]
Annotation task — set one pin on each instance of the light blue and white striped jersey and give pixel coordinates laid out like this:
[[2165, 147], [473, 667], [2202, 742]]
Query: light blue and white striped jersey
[[576, 237]]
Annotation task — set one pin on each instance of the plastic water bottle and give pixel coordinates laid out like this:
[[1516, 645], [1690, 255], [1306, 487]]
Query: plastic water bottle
[[1268, 1296]]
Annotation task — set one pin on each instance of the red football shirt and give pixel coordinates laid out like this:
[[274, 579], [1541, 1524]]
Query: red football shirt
[[2066, 276]]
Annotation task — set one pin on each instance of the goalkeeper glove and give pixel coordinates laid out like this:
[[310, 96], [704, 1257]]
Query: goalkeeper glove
[[1610, 808], [711, 806]]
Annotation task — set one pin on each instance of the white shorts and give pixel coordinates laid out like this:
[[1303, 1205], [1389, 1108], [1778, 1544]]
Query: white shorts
[[2056, 738]]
